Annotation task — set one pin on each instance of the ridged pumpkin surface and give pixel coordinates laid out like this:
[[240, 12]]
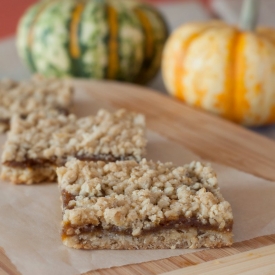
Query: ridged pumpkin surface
[[121, 39], [221, 69]]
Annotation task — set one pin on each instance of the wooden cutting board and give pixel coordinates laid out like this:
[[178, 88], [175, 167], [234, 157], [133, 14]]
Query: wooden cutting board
[[211, 138]]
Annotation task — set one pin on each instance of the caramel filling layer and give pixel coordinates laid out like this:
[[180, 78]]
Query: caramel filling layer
[[179, 224], [28, 163], [5, 121], [104, 157], [66, 198], [31, 163], [62, 110]]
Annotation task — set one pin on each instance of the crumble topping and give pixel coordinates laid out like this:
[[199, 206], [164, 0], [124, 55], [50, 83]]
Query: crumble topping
[[51, 136], [38, 92], [127, 194]]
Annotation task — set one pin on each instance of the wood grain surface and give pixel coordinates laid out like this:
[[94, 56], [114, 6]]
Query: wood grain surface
[[259, 261], [6, 266], [181, 263], [208, 136]]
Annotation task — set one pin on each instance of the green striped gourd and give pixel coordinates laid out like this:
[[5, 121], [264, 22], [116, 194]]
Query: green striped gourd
[[102, 39]]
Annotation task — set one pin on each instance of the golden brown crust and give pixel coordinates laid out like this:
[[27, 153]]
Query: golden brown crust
[[164, 239], [29, 175], [45, 138], [37, 93], [138, 197]]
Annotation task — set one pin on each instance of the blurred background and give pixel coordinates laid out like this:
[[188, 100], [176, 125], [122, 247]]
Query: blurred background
[[176, 13], [11, 10]]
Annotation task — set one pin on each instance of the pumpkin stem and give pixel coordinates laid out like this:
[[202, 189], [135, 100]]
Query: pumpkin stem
[[249, 15]]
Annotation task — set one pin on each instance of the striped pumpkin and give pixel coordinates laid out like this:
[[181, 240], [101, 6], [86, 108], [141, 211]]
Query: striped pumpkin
[[221, 69], [103, 39]]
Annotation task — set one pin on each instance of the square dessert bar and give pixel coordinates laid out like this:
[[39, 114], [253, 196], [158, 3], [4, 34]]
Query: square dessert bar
[[146, 205], [42, 141], [37, 93]]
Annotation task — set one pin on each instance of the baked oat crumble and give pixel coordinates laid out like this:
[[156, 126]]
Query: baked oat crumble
[[132, 199], [51, 138], [38, 93]]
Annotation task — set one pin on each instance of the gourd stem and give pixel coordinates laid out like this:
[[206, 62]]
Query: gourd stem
[[249, 15]]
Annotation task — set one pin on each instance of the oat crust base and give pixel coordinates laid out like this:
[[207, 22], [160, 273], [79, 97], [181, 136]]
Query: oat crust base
[[29, 175], [164, 239]]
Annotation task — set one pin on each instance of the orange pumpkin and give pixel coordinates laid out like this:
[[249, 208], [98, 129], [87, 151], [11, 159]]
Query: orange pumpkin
[[224, 70]]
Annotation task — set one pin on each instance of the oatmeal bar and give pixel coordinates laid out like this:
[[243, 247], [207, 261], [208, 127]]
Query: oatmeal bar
[[42, 141], [146, 205], [24, 97]]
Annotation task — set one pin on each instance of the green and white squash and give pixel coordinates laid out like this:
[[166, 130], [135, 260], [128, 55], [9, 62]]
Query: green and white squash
[[102, 39]]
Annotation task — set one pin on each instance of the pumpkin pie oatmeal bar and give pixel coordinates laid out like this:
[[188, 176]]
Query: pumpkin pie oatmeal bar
[[24, 97], [42, 141], [146, 205]]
